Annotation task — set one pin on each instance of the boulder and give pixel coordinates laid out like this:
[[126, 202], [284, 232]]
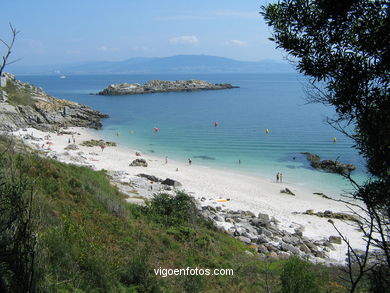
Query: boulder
[[218, 218], [71, 147], [139, 163], [173, 183], [335, 239], [273, 255], [229, 220], [299, 231], [320, 254], [311, 246], [149, 177], [284, 255], [329, 245], [265, 232], [264, 217], [290, 248], [304, 248], [244, 239], [262, 249], [262, 239]]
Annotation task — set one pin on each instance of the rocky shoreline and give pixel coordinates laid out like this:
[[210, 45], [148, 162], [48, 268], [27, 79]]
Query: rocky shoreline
[[261, 232], [24, 105], [160, 86]]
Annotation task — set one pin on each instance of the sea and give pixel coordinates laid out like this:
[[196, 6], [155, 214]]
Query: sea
[[263, 127]]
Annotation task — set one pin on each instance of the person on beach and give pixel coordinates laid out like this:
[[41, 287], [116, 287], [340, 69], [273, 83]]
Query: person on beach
[[166, 160], [189, 161], [177, 169], [277, 177], [102, 146], [281, 178], [74, 140], [68, 140]]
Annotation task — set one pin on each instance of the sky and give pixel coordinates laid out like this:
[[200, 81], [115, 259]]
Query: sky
[[70, 31]]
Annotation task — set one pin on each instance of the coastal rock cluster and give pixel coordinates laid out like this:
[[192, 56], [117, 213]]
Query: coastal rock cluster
[[160, 86], [24, 105], [331, 166], [263, 234]]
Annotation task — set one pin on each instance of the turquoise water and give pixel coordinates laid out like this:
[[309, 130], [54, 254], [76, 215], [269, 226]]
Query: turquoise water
[[186, 124]]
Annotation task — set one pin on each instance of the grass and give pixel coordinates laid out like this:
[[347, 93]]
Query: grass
[[18, 96], [90, 240]]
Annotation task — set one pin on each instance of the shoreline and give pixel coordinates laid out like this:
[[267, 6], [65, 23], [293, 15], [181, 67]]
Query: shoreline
[[207, 185], [294, 171]]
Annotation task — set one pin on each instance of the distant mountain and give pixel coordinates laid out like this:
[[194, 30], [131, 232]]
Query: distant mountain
[[174, 64]]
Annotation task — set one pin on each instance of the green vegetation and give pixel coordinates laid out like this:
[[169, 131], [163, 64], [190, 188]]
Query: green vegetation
[[343, 48], [297, 277], [95, 142], [18, 95], [84, 237]]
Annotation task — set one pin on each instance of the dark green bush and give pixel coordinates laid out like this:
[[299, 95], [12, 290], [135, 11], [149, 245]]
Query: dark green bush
[[298, 277], [172, 210], [17, 240]]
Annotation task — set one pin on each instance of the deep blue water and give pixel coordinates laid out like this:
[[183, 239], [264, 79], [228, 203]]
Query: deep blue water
[[186, 124]]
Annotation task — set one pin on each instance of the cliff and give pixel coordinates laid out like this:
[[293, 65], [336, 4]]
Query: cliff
[[159, 86], [24, 105]]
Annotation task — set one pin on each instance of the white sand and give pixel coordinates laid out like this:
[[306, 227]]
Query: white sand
[[245, 192]]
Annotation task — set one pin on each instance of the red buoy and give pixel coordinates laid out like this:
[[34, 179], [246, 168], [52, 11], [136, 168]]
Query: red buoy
[[215, 124], [155, 129]]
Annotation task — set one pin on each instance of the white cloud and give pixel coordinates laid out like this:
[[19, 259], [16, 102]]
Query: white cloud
[[190, 40], [107, 49], [237, 43]]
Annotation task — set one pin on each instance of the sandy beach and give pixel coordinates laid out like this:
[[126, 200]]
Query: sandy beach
[[245, 192]]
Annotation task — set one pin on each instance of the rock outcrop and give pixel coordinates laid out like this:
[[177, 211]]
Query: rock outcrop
[[171, 182], [24, 105], [264, 235], [160, 86], [331, 166], [139, 163]]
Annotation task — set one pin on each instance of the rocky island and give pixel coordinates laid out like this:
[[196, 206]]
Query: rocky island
[[24, 105], [160, 86]]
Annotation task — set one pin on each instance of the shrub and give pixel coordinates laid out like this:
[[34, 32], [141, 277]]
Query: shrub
[[17, 240], [173, 210], [297, 277]]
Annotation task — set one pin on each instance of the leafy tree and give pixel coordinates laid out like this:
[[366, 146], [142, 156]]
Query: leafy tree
[[344, 49]]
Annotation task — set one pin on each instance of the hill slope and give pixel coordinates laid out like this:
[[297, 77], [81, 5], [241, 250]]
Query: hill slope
[[175, 64]]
